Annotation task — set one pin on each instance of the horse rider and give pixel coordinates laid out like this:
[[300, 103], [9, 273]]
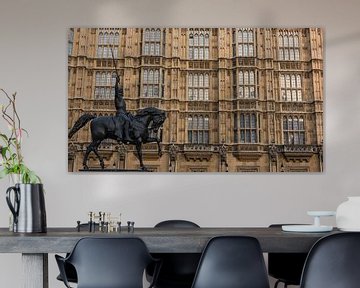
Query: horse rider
[[122, 132]]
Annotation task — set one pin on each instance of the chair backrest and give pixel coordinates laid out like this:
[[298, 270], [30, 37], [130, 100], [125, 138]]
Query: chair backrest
[[333, 262], [110, 262], [177, 268], [286, 266], [176, 224], [232, 262]]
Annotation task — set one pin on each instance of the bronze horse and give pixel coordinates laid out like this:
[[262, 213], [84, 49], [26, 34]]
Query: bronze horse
[[103, 127]]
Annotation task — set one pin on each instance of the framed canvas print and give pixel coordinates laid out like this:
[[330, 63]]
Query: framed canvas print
[[195, 99]]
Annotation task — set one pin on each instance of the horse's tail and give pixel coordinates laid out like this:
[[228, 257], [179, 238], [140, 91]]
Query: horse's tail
[[81, 122]]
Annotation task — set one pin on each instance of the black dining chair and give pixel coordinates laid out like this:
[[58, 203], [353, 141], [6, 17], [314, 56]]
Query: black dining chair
[[286, 267], [108, 263], [333, 262], [70, 271], [178, 269], [232, 262]]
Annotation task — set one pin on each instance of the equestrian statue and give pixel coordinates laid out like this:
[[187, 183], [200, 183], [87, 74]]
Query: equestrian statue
[[124, 127]]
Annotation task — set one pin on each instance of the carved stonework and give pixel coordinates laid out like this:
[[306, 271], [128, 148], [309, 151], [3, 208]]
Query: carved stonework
[[247, 156], [198, 156], [298, 153]]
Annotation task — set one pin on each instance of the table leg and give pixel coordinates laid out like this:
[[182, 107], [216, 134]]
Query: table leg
[[35, 270]]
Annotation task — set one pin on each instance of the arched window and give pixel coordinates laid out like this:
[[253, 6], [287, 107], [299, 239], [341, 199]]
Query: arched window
[[282, 81], [251, 36], [108, 78], [147, 34], [157, 49], [206, 80], [201, 80], [101, 38], [241, 78], [196, 53], [289, 46], [281, 41], [206, 122], [191, 40], [246, 129], [196, 39], [198, 129], [251, 50], [206, 94], [296, 41], [99, 52], [281, 54], [196, 84], [151, 41], [198, 44], [104, 85], [152, 35], [245, 42], [291, 41], [195, 123], [106, 38], [291, 87], [246, 77], [156, 77], [115, 50], [146, 76], [157, 35], [103, 78], [116, 38], [151, 77], [293, 130], [195, 80], [190, 82], [201, 94], [286, 41], [190, 122], [111, 38], [105, 53], [246, 86], [201, 40], [151, 83], [206, 43], [240, 36], [195, 94], [201, 53]]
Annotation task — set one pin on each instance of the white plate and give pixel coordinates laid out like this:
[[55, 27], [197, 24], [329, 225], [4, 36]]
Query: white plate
[[306, 228], [321, 213]]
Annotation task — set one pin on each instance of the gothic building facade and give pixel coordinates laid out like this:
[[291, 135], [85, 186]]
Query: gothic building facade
[[237, 99]]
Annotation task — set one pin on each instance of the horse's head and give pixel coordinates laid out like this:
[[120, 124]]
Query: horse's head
[[158, 119], [155, 116]]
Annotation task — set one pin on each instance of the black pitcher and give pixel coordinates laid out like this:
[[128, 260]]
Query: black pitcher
[[28, 207]]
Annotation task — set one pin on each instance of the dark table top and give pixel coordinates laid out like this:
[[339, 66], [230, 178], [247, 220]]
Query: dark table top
[[158, 240]]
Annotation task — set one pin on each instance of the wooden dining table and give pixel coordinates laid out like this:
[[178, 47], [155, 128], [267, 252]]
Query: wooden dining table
[[35, 247]]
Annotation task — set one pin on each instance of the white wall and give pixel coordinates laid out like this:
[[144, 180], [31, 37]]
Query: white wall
[[33, 62]]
